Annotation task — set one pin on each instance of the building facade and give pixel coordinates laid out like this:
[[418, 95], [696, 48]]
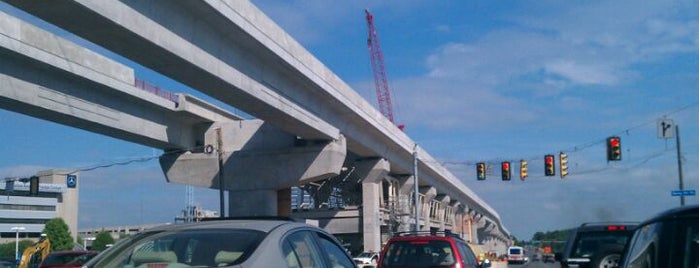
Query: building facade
[[24, 214]]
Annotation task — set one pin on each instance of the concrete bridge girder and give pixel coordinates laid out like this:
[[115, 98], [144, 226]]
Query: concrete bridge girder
[[49, 77], [174, 40]]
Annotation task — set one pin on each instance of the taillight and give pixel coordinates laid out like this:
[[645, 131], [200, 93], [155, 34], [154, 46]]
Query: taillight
[[616, 228]]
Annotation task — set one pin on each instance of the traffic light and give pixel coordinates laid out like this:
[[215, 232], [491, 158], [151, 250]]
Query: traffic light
[[34, 186], [505, 171], [563, 158], [480, 171], [522, 169], [613, 148], [549, 167]]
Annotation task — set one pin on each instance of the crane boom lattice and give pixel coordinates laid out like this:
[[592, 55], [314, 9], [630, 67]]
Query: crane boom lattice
[[383, 92]]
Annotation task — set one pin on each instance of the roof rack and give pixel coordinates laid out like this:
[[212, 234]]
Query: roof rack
[[425, 233]]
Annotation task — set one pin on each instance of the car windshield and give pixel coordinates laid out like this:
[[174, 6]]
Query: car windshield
[[418, 254], [515, 251], [201, 248], [588, 243]]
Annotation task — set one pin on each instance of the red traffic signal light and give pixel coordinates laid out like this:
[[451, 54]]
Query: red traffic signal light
[[480, 171], [549, 165], [613, 148], [505, 171]]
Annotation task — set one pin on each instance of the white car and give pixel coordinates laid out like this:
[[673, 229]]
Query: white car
[[366, 258]]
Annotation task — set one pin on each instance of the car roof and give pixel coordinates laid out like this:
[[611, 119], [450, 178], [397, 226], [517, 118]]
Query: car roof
[[675, 213], [425, 236], [258, 224], [422, 238], [74, 252]]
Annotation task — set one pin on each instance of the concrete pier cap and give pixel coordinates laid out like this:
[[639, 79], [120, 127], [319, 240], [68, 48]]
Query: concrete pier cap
[[258, 163]]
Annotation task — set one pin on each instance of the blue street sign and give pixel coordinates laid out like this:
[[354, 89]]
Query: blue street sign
[[71, 180], [683, 192]]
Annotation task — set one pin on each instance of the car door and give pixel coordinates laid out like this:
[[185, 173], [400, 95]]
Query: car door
[[309, 248]]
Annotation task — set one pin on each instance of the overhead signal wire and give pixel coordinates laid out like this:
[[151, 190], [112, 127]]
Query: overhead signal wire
[[134, 160], [587, 145]]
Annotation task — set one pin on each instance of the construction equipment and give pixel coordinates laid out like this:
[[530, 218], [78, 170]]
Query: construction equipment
[[383, 92], [36, 253]]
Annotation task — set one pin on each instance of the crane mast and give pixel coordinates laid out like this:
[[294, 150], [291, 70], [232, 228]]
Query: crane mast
[[383, 92]]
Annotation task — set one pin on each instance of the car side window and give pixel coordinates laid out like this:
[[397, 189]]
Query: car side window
[[691, 244], [467, 255], [642, 247], [301, 251], [335, 253]]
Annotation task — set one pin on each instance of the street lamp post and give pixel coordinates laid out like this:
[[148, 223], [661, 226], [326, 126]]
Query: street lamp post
[[17, 229]]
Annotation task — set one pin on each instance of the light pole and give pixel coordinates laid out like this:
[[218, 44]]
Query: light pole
[[17, 229]]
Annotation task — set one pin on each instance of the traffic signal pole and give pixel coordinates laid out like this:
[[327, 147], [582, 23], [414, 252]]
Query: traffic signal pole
[[679, 162]]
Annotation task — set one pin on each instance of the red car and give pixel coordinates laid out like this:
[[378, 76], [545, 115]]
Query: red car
[[67, 259], [413, 250]]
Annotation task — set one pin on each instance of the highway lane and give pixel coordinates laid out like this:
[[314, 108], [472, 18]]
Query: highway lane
[[530, 264]]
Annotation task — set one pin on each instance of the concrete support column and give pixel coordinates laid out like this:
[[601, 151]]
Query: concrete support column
[[456, 210], [284, 202], [252, 203], [441, 214], [405, 203], [473, 226], [429, 193], [372, 172]]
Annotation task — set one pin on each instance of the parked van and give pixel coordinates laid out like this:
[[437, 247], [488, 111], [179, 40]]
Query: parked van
[[515, 255]]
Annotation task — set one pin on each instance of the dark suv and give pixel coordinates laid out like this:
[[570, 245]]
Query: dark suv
[[596, 245], [670, 239], [429, 250]]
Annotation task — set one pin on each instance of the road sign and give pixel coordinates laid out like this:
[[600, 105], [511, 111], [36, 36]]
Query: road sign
[[71, 180], [683, 192], [666, 128]]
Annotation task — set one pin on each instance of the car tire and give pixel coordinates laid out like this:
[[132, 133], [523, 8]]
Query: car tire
[[607, 258]]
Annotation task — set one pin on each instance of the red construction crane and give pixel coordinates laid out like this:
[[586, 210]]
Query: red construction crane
[[383, 92]]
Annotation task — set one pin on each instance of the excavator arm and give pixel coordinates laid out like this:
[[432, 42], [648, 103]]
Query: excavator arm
[[35, 254]]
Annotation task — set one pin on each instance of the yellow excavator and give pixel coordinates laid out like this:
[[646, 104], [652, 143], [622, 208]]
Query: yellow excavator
[[36, 253]]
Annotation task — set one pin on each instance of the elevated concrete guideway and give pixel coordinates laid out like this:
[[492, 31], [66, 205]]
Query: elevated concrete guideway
[[233, 52], [47, 77]]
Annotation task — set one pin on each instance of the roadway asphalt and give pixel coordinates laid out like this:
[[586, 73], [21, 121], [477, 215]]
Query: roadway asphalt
[[530, 264]]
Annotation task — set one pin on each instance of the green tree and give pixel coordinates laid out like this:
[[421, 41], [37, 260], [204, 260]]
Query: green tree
[[7, 250], [102, 239], [58, 233]]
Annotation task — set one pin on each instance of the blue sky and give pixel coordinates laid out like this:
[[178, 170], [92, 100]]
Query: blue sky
[[472, 81]]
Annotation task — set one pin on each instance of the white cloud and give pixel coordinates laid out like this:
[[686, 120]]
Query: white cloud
[[583, 74]]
